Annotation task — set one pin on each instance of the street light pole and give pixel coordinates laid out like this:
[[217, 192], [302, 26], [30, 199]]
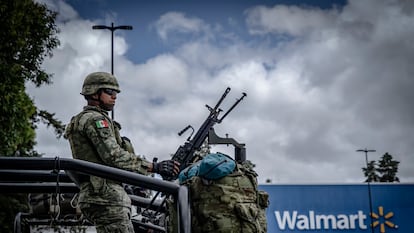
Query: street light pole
[[369, 186], [112, 29]]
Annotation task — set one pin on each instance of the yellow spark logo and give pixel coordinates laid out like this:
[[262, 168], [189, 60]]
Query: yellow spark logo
[[383, 220]]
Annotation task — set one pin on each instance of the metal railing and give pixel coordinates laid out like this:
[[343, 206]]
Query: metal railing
[[23, 174]]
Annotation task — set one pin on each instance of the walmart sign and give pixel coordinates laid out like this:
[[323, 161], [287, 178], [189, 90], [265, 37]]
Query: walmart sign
[[340, 208], [293, 220]]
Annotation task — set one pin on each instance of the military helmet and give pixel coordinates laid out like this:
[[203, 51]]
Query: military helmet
[[99, 80]]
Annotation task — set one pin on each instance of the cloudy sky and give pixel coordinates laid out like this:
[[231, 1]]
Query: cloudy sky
[[323, 79]]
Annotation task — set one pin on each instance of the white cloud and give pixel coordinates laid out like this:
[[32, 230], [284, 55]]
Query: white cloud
[[343, 82], [65, 11], [177, 22], [291, 20]]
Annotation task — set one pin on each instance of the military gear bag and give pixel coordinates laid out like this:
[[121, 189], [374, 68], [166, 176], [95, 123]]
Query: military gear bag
[[216, 166], [232, 204], [189, 172], [212, 167]]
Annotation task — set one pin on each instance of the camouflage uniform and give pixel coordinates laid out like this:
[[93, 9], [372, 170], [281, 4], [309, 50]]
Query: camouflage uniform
[[94, 137]]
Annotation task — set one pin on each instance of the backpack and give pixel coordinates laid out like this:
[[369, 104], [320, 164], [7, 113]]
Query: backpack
[[212, 167], [230, 204]]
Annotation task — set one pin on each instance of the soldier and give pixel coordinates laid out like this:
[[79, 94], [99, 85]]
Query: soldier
[[94, 137]]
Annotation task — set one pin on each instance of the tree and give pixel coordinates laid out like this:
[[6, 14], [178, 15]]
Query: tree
[[388, 168], [371, 172], [28, 34], [385, 170]]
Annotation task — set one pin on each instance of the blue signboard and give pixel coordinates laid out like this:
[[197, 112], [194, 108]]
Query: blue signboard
[[341, 208]]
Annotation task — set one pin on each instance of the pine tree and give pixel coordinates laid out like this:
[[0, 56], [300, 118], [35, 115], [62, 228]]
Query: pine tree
[[371, 172], [385, 170], [388, 168]]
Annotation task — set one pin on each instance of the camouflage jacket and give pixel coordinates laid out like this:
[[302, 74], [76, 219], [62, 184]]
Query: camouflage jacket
[[94, 137]]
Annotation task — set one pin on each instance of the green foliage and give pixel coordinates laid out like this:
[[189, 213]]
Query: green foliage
[[28, 34], [371, 172], [9, 205], [16, 110], [385, 170], [388, 169]]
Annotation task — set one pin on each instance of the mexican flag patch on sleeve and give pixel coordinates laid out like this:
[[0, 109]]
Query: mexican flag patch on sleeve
[[102, 124]]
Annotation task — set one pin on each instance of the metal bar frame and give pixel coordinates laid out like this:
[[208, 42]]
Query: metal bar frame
[[48, 169]]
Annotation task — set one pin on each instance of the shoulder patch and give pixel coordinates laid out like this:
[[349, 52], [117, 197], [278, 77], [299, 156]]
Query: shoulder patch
[[102, 124]]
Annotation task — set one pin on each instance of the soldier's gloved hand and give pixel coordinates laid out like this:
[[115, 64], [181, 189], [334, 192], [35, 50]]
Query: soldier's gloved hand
[[166, 168]]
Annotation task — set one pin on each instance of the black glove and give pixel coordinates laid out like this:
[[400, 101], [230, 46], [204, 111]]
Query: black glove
[[166, 168]]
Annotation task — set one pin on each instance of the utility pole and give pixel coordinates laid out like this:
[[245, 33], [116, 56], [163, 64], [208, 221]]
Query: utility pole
[[112, 29], [369, 186]]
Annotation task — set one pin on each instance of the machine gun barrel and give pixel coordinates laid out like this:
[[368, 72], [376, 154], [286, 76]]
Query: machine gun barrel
[[222, 97], [233, 106], [185, 152]]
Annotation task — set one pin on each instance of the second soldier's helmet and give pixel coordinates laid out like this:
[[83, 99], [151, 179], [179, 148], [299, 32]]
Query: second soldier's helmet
[[99, 80]]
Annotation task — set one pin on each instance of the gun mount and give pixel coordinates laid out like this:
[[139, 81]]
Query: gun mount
[[239, 148]]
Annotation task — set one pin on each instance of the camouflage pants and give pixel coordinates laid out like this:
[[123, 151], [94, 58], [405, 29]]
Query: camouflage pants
[[108, 219]]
